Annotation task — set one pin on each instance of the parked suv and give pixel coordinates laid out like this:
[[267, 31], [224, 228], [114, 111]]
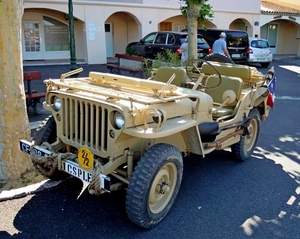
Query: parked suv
[[158, 42], [237, 42], [260, 52]]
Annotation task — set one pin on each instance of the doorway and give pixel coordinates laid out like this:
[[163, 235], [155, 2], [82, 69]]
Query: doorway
[[270, 32], [109, 39]]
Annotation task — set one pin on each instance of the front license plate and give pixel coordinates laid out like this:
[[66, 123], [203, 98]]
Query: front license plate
[[235, 55], [71, 168], [25, 147]]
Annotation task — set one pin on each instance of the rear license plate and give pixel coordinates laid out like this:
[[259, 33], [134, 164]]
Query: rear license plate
[[235, 55], [25, 147], [71, 168]]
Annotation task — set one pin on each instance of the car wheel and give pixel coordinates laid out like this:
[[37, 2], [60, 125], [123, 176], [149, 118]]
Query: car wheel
[[245, 147], [218, 58], [46, 132], [154, 185], [265, 65]]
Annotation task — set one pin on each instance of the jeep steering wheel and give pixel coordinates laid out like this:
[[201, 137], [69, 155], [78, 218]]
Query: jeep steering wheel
[[196, 64]]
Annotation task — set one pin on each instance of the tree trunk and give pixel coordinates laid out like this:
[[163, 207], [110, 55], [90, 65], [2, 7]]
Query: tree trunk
[[192, 18], [14, 123]]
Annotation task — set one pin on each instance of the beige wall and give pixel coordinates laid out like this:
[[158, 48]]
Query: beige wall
[[287, 35], [132, 21]]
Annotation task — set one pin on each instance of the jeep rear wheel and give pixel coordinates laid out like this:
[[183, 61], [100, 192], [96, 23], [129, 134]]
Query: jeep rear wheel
[[46, 132], [245, 147], [154, 185]]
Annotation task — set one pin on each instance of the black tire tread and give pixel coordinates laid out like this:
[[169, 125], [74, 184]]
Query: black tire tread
[[238, 148], [140, 183], [45, 132]]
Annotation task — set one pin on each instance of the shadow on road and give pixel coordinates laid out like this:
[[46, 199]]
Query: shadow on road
[[219, 198]]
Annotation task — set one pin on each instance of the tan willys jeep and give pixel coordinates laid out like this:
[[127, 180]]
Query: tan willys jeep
[[116, 132]]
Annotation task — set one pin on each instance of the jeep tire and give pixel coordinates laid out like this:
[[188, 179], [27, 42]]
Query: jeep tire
[[245, 147], [46, 132], [154, 185]]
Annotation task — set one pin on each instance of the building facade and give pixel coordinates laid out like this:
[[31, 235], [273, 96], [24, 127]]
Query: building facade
[[105, 27]]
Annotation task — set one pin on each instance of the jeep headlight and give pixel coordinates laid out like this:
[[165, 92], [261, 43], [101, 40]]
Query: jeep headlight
[[56, 103], [119, 120]]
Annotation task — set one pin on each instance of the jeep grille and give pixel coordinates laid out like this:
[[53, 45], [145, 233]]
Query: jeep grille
[[85, 123]]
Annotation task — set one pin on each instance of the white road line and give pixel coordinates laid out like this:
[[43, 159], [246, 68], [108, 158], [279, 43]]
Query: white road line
[[34, 125], [291, 68], [286, 98]]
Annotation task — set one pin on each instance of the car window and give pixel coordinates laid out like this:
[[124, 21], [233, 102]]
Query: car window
[[201, 41], [161, 38], [259, 44], [171, 39], [237, 39], [149, 38]]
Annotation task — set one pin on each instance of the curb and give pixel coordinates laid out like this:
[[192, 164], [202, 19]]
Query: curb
[[28, 190]]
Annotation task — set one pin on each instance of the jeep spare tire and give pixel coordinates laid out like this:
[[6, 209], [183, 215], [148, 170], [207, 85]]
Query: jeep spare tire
[[218, 58]]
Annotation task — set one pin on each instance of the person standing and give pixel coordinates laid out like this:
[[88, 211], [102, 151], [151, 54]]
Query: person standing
[[184, 51], [220, 46]]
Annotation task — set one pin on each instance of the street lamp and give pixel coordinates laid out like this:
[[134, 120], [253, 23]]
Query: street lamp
[[72, 38]]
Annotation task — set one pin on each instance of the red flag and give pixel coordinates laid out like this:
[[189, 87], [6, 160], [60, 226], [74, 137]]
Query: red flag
[[271, 96]]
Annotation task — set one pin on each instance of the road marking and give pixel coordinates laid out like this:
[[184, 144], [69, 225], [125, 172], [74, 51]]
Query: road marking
[[292, 68], [34, 125], [286, 98]]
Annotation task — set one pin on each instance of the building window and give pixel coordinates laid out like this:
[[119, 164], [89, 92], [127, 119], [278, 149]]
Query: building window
[[56, 35], [179, 28]]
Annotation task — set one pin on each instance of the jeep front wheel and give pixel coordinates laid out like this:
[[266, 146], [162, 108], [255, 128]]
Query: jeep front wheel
[[245, 147], [46, 132], [154, 185]]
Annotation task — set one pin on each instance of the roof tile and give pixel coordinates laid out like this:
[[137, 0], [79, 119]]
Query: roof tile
[[269, 8]]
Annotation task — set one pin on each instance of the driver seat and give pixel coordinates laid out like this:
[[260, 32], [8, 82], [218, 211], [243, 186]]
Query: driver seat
[[225, 96]]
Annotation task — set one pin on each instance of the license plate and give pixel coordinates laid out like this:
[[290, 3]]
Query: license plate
[[71, 168], [235, 55], [25, 147]]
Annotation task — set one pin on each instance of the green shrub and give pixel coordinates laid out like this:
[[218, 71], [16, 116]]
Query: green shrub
[[131, 52], [167, 58]]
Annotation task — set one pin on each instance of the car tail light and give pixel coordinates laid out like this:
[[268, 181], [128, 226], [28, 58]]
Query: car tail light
[[177, 51], [250, 50], [209, 51]]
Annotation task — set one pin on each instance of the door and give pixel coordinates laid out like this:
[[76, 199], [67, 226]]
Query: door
[[165, 26], [270, 32], [272, 37], [109, 40], [32, 41]]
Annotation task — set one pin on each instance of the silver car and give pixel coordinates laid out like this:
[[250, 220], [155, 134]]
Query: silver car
[[259, 51]]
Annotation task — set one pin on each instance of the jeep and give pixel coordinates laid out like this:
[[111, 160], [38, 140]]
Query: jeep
[[115, 132]]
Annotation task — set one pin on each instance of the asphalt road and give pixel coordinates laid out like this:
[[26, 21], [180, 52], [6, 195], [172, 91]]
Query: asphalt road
[[218, 198]]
